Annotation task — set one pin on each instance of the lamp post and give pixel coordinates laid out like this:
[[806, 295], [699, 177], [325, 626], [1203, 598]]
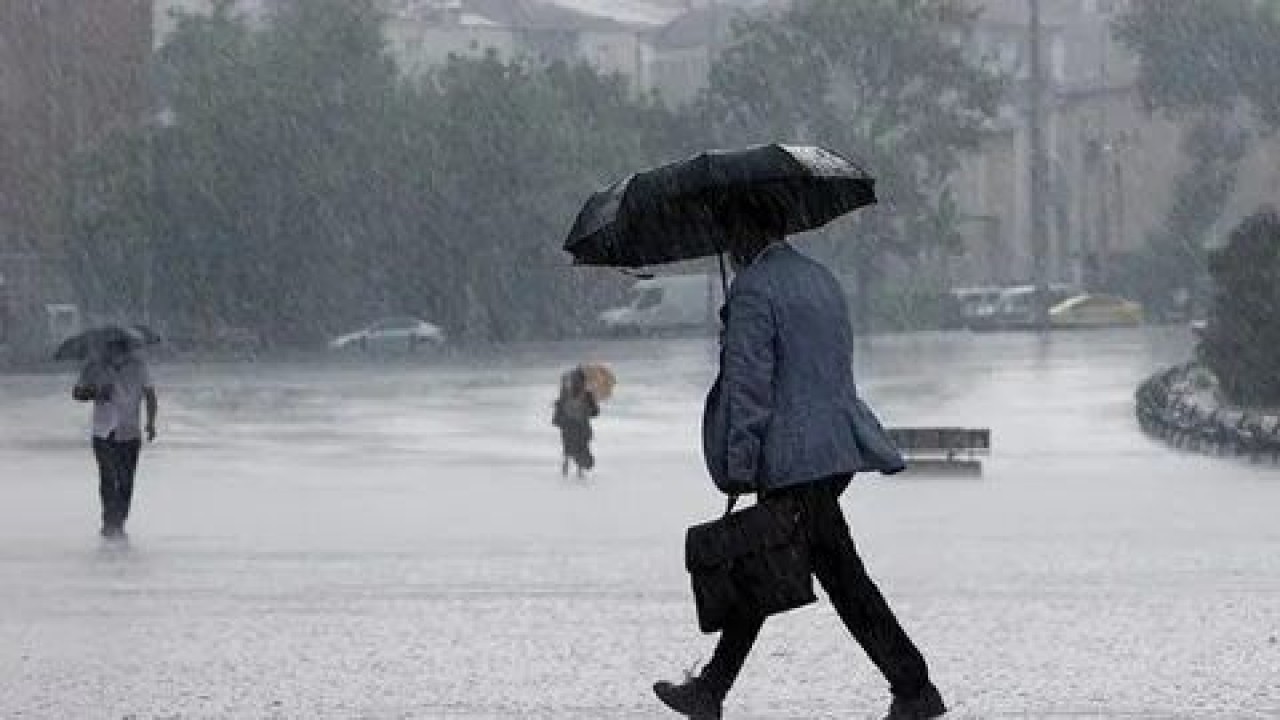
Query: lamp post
[[1039, 173], [158, 117]]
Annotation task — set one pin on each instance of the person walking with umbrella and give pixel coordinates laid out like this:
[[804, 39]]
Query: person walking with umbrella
[[574, 409], [784, 418], [581, 391], [118, 383]]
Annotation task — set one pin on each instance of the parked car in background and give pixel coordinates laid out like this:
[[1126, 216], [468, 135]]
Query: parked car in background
[[967, 303], [1093, 311], [1015, 308], [396, 333]]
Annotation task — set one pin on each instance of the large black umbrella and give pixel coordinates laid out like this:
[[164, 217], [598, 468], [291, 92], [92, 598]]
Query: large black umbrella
[[682, 211], [95, 342]]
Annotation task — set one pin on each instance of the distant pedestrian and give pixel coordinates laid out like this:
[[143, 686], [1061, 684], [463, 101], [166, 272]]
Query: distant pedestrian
[[784, 420], [117, 382], [574, 409]]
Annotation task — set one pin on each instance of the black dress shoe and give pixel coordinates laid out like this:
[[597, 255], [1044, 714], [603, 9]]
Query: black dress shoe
[[925, 706], [689, 699]]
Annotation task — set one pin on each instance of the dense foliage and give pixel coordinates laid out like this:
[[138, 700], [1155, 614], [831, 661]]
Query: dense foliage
[[1173, 260], [1212, 65], [1198, 55], [1242, 341], [300, 184]]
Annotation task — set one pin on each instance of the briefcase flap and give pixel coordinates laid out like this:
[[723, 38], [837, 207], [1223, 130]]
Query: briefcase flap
[[747, 531]]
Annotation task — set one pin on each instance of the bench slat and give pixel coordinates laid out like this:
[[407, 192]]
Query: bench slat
[[941, 439]]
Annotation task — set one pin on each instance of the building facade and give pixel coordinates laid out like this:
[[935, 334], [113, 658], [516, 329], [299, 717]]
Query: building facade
[[1112, 165], [663, 47]]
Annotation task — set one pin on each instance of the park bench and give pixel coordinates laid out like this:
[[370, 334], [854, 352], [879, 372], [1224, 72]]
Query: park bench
[[946, 449]]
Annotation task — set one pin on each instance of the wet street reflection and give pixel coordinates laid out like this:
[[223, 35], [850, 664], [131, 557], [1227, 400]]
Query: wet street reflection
[[395, 540]]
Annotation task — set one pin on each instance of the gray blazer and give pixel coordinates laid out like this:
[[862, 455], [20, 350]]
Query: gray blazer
[[784, 410]]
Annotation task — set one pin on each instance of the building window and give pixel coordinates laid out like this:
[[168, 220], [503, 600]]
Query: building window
[[1102, 7], [1058, 59]]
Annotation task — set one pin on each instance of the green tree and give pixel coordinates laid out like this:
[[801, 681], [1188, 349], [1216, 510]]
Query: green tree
[[112, 230], [1242, 342], [889, 82], [522, 149], [1202, 63], [1174, 254], [305, 185], [1206, 55], [251, 209]]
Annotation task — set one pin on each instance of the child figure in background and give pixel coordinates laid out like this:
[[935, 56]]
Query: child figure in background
[[574, 409]]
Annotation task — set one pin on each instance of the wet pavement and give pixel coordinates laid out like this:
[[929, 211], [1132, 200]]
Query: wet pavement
[[393, 539]]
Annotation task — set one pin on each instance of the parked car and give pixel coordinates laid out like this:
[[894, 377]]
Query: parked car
[[1015, 308], [1199, 329], [967, 303], [397, 333], [1088, 311], [671, 304]]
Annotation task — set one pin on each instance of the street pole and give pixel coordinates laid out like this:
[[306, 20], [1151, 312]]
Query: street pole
[[1102, 249], [1039, 173], [151, 126], [148, 257]]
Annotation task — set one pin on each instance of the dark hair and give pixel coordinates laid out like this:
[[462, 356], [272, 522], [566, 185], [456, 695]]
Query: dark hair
[[577, 381], [119, 347]]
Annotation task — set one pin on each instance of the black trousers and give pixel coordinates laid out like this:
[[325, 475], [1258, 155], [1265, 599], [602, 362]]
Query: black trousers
[[856, 598], [575, 439], [117, 462]]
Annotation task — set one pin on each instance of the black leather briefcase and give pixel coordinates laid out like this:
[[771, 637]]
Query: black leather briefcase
[[751, 563]]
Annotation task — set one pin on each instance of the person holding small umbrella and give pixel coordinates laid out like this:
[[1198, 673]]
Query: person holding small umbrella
[[581, 391], [118, 383], [783, 420]]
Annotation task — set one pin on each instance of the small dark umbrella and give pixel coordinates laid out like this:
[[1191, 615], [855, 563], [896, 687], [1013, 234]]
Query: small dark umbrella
[[678, 211], [95, 341]]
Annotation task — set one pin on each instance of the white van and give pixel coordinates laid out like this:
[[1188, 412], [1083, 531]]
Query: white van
[[671, 304], [1015, 308]]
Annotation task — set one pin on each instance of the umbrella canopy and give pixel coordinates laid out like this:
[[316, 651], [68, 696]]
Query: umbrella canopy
[[600, 380], [689, 209], [95, 341]]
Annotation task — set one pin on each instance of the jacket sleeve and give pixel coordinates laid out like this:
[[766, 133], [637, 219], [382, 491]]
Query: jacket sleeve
[[747, 373]]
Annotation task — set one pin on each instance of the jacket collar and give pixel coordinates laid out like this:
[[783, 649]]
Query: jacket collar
[[769, 250]]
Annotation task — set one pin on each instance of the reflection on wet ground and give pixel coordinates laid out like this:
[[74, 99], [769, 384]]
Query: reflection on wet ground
[[393, 539]]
